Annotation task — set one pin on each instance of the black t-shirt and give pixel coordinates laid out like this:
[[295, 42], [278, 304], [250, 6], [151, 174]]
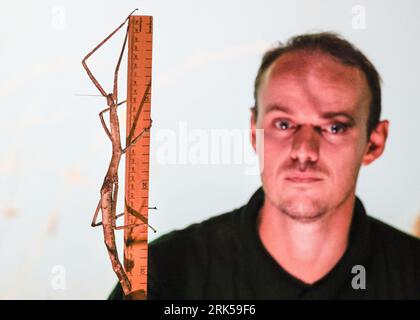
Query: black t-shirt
[[224, 258]]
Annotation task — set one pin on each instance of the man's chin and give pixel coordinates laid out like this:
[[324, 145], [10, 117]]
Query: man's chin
[[303, 209], [304, 218]]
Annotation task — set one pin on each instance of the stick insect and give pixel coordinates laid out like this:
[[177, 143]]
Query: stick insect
[[109, 190]]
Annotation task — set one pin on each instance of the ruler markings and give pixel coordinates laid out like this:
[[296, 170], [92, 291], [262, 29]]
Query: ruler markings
[[137, 160]]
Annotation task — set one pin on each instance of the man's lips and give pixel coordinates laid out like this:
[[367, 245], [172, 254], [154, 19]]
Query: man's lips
[[303, 178]]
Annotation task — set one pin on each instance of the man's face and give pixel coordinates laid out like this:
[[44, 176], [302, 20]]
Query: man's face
[[314, 112]]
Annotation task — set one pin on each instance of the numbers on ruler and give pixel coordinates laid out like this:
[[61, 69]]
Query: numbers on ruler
[[132, 161], [140, 74], [147, 98], [144, 184], [138, 24], [150, 26]]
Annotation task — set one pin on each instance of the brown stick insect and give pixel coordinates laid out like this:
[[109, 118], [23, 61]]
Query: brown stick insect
[[109, 190]]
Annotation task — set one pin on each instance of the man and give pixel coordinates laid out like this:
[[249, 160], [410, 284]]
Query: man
[[304, 234]]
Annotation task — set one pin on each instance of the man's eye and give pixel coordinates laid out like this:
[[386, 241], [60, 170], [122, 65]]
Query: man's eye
[[282, 124], [338, 127]]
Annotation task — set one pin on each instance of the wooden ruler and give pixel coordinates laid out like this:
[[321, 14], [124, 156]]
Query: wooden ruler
[[137, 158]]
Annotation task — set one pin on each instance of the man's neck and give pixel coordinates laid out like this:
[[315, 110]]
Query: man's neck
[[307, 251]]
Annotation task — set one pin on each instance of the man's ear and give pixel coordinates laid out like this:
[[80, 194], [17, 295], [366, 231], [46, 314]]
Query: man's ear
[[253, 129], [376, 144]]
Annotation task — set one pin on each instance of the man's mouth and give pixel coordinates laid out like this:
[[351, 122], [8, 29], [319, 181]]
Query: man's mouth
[[303, 179]]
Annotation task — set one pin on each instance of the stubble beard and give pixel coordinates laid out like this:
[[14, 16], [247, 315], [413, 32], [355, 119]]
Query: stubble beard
[[306, 211]]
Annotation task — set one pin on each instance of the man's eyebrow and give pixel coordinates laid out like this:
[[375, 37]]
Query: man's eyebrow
[[334, 114], [277, 107], [325, 115]]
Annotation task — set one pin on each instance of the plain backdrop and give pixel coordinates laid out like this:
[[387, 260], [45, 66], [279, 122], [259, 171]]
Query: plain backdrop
[[54, 152]]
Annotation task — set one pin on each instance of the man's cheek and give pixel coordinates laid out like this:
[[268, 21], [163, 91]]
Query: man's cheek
[[345, 170], [272, 156]]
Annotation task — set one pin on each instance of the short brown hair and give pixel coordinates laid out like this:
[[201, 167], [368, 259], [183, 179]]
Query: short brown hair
[[335, 46]]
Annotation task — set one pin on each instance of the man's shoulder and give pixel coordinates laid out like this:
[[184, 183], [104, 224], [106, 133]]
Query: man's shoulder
[[180, 254], [216, 228], [180, 261], [393, 239]]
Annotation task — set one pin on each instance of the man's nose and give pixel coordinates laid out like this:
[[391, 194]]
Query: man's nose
[[305, 145]]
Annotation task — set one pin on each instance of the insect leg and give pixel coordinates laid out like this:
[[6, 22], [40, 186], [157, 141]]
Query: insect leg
[[114, 201], [95, 216], [127, 226], [90, 74], [100, 222], [132, 143], [116, 265], [115, 90], [103, 121], [104, 124]]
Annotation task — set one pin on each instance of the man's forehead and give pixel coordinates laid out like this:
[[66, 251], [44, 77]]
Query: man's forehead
[[300, 62], [316, 75]]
